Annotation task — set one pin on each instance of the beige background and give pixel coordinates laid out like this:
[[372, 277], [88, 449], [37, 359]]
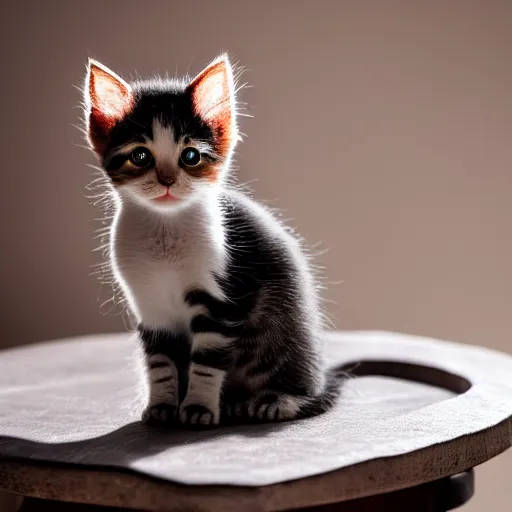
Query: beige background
[[382, 128]]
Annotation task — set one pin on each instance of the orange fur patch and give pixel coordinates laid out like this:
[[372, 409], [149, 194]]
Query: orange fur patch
[[212, 174], [209, 172]]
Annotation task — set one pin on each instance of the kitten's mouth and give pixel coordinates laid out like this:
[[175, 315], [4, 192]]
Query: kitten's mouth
[[166, 197]]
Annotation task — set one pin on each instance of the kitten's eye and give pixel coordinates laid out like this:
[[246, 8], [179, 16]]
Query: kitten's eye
[[190, 157], [141, 157]]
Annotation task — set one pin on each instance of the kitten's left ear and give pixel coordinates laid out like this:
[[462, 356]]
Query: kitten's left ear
[[213, 97], [108, 99]]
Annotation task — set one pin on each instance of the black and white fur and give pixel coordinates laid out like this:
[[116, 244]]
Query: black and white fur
[[227, 308]]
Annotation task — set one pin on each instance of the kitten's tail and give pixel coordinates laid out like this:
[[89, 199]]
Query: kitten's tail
[[328, 398]]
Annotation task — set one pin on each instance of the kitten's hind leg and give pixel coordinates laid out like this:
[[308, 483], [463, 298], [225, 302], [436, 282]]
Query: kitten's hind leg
[[265, 406], [272, 406]]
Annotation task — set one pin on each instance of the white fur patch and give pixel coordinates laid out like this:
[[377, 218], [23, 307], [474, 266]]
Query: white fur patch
[[158, 256], [205, 340], [165, 392], [165, 150], [204, 389]]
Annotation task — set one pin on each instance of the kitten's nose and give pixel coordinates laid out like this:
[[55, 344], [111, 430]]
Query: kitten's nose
[[165, 178]]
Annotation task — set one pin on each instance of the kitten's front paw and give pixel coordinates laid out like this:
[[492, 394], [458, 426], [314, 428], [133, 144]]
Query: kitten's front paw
[[159, 414], [198, 415]]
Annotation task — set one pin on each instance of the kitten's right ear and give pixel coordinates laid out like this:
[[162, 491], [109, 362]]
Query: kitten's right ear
[[108, 99]]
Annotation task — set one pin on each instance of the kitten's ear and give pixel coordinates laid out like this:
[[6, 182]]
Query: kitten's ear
[[213, 97], [108, 99]]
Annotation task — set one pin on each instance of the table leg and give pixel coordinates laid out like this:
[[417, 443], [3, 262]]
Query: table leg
[[440, 496], [9, 502]]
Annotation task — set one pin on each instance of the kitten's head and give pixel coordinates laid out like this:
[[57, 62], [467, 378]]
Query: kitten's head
[[160, 141]]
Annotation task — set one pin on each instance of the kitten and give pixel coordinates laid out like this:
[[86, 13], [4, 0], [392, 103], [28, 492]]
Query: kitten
[[227, 308]]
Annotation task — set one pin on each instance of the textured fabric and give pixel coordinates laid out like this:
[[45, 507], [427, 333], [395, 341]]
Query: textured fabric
[[76, 401]]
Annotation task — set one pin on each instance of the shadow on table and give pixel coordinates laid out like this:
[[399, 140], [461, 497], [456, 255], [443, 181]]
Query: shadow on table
[[129, 443]]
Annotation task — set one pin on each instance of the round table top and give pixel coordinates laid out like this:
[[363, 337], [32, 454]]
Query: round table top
[[70, 430]]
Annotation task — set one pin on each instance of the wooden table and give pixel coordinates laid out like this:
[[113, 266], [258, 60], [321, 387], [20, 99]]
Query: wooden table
[[416, 418]]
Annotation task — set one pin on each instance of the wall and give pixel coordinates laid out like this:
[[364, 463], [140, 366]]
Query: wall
[[382, 128]]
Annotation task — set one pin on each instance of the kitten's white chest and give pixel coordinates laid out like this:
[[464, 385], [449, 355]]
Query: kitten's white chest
[[157, 264], [156, 293]]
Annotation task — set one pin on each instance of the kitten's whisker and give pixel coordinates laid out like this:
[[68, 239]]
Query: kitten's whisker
[[96, 168], [240, 87], [101, 247], [79, 128]]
